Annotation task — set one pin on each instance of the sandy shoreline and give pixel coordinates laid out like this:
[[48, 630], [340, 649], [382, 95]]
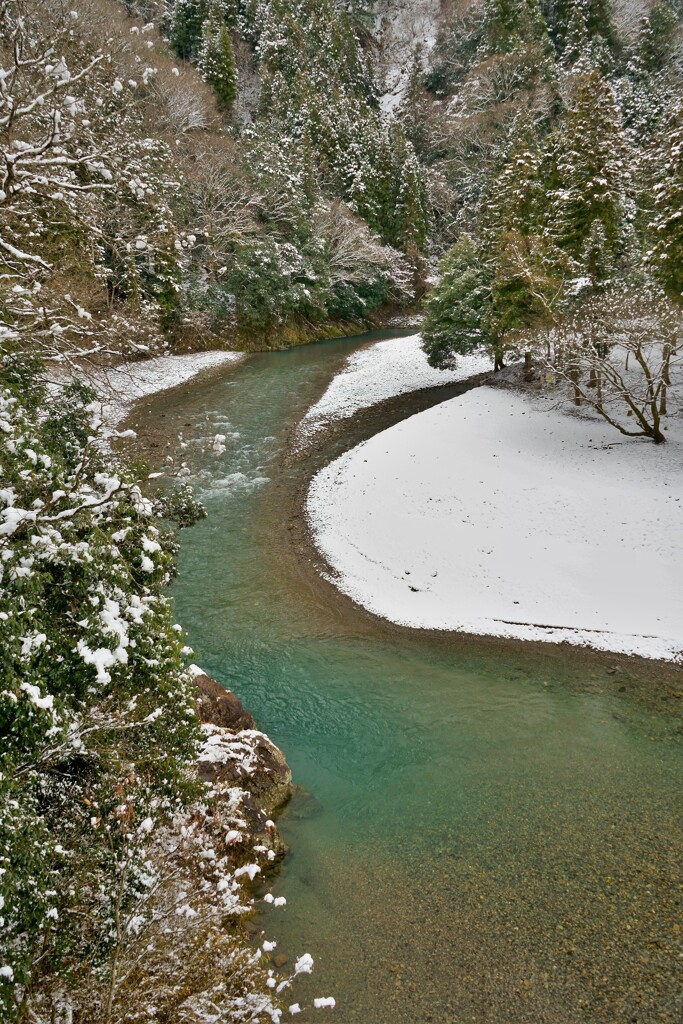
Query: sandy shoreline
[[311, 575]]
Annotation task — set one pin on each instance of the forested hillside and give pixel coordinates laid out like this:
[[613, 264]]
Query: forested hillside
[[560, 135], [224, 173], [144, 203]]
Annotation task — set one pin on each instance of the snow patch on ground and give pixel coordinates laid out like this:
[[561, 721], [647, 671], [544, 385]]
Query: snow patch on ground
[[497, 514], [121, 386], [384, 370], [402, 26]]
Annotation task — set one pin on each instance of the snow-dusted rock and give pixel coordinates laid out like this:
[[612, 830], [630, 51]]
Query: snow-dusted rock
[[234, 756], [247, 759], [218, 706]]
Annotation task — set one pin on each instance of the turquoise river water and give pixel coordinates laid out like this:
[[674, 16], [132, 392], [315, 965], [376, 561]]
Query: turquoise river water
[[493, 831]]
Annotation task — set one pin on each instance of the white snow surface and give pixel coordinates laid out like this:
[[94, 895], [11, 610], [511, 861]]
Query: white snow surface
[[401, 28], [381, 371], [222, 746], [499, 514], [121, 386]]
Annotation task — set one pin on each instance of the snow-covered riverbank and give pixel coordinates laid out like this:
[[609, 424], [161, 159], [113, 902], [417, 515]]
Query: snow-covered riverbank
[[381, 371], [499, 514], [120, 386]]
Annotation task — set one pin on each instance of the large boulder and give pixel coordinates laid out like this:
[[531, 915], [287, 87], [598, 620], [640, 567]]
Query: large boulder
[[218, 706], [234, 753], [247, 759]]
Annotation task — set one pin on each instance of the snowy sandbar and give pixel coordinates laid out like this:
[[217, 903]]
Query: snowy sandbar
[[496, 514], [381, 371], [121, 386]]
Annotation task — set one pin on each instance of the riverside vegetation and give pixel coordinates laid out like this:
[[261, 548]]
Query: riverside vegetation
[[223, 173], [568, 155]]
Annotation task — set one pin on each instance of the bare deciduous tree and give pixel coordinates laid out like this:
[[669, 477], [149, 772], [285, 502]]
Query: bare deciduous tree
[[620, 354], [355, 254]]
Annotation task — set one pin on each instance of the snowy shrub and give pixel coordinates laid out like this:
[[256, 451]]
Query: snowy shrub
[[620, 354], [90, 249], [92, 687]]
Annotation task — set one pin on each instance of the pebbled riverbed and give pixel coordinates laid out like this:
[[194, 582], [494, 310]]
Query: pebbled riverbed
[[495, 831]]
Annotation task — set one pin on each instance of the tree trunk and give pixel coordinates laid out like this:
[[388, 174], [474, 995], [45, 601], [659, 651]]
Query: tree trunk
[[666, 360], [657, 435], [573, 374]]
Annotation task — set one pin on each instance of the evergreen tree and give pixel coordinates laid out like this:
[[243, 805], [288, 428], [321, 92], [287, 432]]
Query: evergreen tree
[[526, 288], [596, 259], [390, 190], [525, 264], [217, 62], [572, 20], [412, 110], [226, 11], [592, 167], [512, 24], [666, 228], [657, 37], [412, 212], [576, 37], [458, 308], [516, 197], [186, 27], [600, 20]]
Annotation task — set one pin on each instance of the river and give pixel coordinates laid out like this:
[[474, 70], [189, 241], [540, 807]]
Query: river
[[494, 830]]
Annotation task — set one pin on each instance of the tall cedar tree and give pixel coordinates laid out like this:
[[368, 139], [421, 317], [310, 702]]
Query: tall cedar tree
[[457, 310], [186, 27], [511, 24], [592, 168], [217, 62], [567, 19], [657, 38], [666, 256]]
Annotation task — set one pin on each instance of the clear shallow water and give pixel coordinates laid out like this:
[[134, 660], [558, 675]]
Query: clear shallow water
[[494, 833]]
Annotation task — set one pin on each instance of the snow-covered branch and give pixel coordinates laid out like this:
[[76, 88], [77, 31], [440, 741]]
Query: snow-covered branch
[[620, 354]]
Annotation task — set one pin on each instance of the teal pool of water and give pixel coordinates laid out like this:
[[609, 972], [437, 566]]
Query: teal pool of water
[[491, 835]]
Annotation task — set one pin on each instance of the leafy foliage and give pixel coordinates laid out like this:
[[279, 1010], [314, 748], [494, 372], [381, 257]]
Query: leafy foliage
[[92, 684]]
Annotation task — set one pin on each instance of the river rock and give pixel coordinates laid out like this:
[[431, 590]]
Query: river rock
[[218, 706], [262, 840], [247, 759], [303, 805], [248, 775]]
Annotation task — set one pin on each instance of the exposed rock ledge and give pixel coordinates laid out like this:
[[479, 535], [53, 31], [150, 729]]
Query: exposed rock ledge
[[248, 774]]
